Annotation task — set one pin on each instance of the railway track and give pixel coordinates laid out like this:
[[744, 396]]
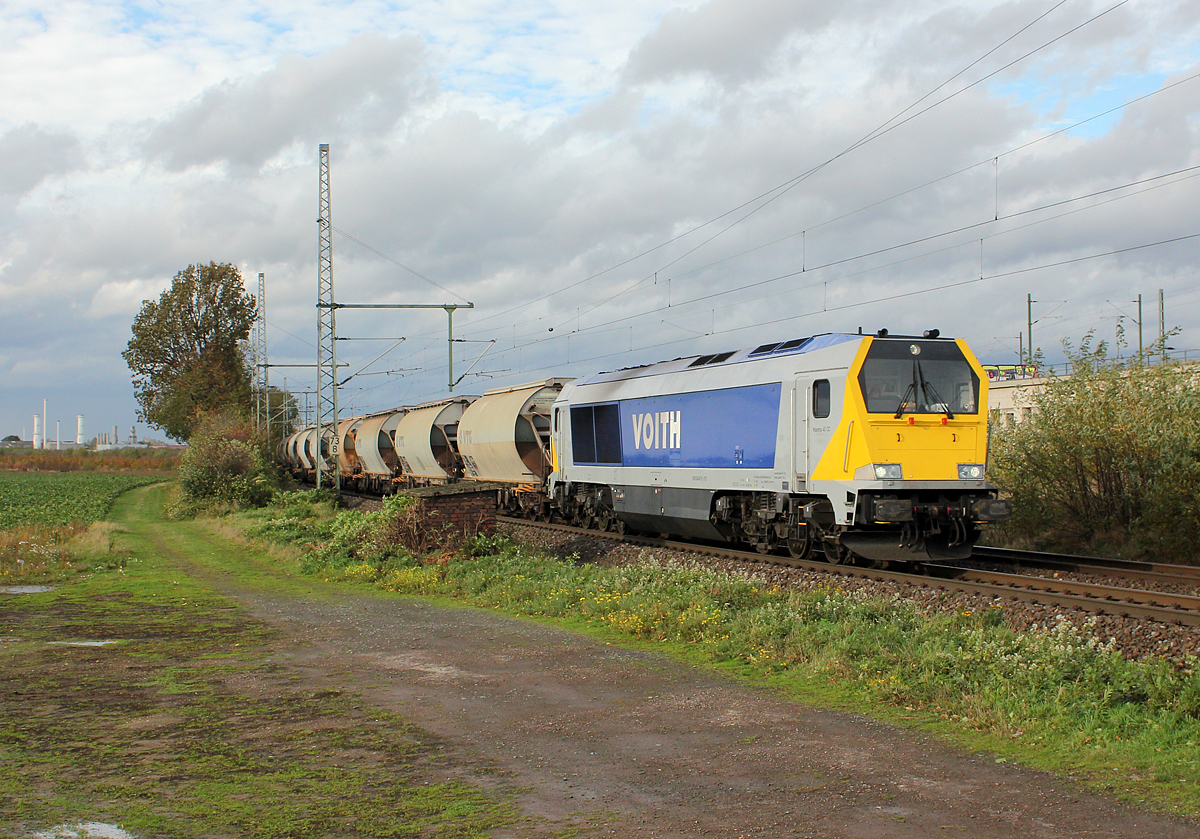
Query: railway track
[[1093, 598], [1152, 572]]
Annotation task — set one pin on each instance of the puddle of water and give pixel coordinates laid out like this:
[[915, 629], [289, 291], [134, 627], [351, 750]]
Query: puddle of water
[[25, 589], [85, 830], [83, 643]]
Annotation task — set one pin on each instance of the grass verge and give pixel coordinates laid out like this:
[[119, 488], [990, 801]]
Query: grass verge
[[138, 696], [1054, 699]]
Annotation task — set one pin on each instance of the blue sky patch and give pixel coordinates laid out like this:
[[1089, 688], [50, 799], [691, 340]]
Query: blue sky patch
[[1060, 100]]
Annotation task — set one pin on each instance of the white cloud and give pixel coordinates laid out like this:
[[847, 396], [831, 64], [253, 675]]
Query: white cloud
[[513, 150], [125, 298]]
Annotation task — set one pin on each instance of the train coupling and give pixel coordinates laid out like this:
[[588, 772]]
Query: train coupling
[[991, 509]]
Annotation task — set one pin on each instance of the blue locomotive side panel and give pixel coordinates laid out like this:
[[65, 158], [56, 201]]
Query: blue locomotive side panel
[[732, 428]]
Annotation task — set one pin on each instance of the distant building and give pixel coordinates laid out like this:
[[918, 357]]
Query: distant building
[[1003, 396]]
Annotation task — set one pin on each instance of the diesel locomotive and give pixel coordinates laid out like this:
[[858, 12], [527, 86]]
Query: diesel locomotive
[[868, 447]]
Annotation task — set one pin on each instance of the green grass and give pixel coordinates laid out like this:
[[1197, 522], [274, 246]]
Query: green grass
[[51, 524], [184, 727], [1055, 699], [58, 499]]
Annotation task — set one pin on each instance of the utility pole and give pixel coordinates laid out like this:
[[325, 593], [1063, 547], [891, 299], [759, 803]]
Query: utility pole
[[1162, 331], [263, 403], [1140, 347], [449, 307], [327, 412], [327, 337], [1029, 323]]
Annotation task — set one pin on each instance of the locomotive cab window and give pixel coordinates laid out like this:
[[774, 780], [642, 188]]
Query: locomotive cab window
[[820, 398], [596, 434], [918, 377]]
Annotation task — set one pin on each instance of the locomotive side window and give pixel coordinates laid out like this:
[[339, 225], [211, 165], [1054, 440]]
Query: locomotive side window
[[583, 435], [820, 406], [608, 434], [920, 377], [596, 434]]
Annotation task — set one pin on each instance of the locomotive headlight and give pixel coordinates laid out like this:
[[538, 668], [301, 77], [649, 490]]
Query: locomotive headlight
[[970, 471], [888, 472]]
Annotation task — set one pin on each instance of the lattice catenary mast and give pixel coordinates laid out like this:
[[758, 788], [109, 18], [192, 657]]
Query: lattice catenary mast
[[262, 405], [327, 407]]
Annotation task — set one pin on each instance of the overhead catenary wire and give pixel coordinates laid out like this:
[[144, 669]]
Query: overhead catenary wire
[[641, 282], [595, 329], [901, 295], [907, 244], [845, 260], [396, 262], [771, 194]]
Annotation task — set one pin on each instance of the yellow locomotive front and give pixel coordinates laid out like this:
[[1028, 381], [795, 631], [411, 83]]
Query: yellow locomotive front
[[914, 426]]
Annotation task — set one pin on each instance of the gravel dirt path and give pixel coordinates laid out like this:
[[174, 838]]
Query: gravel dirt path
[[603, 741]]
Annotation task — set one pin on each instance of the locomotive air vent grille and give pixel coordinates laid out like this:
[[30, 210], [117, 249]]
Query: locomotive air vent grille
[[780, 347], [702, 360]]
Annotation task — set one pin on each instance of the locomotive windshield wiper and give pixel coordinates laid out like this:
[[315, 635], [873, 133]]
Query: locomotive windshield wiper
[[936, 399], [912, 391], [920, 389], [932, 397]]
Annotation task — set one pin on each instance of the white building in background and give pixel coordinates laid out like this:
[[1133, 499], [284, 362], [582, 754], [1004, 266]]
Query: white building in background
[[1005, 396]]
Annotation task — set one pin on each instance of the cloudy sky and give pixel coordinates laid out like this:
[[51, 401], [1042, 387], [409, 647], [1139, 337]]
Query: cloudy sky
[[608, 183]]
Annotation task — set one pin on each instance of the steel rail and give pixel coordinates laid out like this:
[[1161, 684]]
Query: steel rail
[[1096, 591], [1012, 591], [1131, 569]]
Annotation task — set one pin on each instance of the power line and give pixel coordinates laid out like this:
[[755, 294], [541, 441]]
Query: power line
[[775, 193], [641, 282], [396, 262], [910, 243], [903, 295], [781, 189]]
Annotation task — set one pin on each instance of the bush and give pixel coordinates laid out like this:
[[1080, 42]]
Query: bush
[[1108, 461], [225, 466]]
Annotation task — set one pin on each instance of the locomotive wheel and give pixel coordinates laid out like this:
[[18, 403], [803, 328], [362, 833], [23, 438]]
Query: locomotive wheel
[[837, 554], [800, 548], [604, 522]]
